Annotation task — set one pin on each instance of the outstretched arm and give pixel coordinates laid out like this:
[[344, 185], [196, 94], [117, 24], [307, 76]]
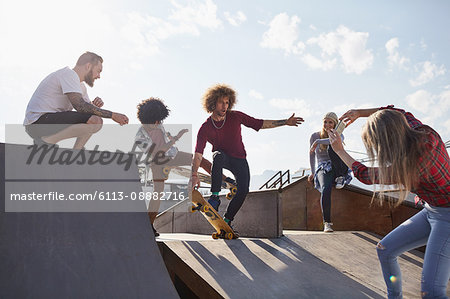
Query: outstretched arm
[[291, 121], [82, 106], [351, 115], [172, 140]]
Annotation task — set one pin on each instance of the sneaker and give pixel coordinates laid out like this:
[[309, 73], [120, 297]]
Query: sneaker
[[228, 221], [340, 182], [327, 227], [214, 201]]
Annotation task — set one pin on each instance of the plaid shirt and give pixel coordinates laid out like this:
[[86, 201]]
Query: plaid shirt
[[434, 182]]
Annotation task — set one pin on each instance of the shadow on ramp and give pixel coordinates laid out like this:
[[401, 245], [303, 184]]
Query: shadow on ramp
[[264, 268]]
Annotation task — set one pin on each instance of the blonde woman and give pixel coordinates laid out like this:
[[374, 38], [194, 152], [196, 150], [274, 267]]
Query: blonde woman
[[330, 168], [412, 156]]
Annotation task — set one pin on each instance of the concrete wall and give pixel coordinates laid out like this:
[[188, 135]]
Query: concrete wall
[[259, 216], [351, 209]]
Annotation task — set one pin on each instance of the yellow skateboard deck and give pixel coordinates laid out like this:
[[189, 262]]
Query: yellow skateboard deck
[[223, 230]]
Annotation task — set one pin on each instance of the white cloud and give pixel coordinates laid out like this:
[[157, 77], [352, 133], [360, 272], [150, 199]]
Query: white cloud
[[256, 95], [316, 63], [428, 71], [420, 100], [446, 127], [134, 33], [196, 13], [423, 45], [394, 58], [342, 108], [312, 27], [236, 19], [444, 102], [144, 33], [343, 45], [299, 106], [433, 106], [346, 44], [283, 34]]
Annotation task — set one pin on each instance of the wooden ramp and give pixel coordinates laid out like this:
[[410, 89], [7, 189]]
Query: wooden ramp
[[297, 265]]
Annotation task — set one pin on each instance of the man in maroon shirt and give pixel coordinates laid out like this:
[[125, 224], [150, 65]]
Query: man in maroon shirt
[[223, 130]]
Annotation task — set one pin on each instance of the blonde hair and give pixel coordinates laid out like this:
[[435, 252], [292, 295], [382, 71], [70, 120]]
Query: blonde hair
[[397, 148], [323, 132], [216, 92]]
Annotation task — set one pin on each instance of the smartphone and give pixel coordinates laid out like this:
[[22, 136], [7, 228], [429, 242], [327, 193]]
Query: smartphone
[[340, 127]]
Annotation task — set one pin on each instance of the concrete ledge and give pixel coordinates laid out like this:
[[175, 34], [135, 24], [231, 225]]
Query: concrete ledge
[[174, 219], [259, 216]]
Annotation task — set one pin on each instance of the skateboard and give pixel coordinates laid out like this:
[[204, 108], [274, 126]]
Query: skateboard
[[223, 230], [204, 178]]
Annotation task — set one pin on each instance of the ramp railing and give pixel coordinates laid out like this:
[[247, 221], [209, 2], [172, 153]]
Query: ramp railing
[[280, 178]]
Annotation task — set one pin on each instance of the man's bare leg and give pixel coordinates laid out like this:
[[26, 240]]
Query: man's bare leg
[[82, 131], [82, 140]]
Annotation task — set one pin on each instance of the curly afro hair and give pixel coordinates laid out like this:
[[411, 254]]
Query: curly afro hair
[[216, 92], [152, 110]]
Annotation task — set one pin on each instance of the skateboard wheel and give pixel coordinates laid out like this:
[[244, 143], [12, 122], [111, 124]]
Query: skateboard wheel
[[234, 190], [215, 236], [229, 196], [229, 236], [166, 170], [192, 209], [204, 209]]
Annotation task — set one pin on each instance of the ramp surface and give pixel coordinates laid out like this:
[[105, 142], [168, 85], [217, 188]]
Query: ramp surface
[[265, 268], [79, 255], [297, 265]]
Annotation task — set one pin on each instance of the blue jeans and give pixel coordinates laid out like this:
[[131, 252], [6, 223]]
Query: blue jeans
[[431, 227], [326, 180]]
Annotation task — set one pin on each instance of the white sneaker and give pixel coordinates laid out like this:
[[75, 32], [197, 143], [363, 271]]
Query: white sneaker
[[327, 227], [340, 182]]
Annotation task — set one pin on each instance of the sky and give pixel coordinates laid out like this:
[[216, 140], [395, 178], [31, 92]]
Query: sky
[[282, 57]]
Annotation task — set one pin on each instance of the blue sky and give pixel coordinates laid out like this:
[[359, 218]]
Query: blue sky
[[307, 57]]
